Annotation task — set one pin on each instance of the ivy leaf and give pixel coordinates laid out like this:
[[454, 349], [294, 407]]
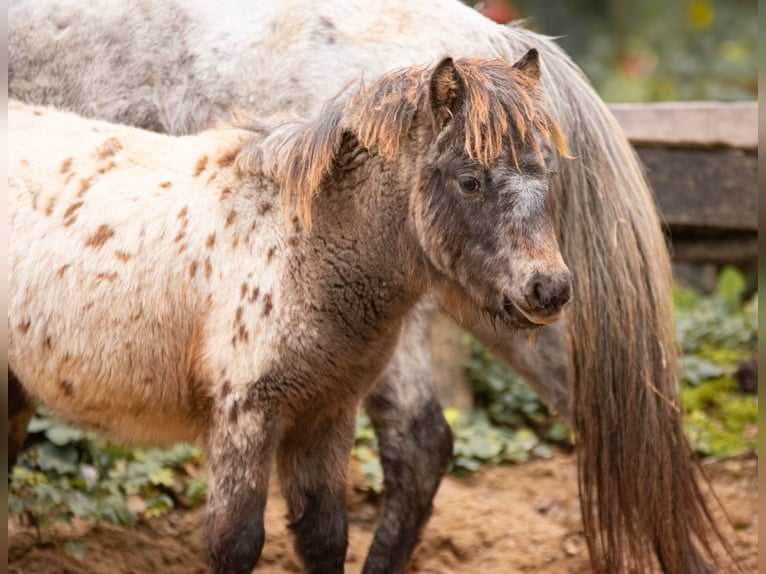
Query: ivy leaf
[[158, 506], [62, 435], [162, 477], [730, 286], [60, 459], [694, 370], [77, 548]]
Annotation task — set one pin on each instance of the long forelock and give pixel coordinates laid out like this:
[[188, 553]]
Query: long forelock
[[501, 106], [504, 106]]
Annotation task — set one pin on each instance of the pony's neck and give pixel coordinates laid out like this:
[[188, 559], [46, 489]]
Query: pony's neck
[[366, 200]]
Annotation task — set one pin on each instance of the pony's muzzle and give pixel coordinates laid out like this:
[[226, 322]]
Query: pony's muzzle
[[546, 295]]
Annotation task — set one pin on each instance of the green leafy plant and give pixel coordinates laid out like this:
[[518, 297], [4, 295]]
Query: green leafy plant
[[365, 452], [716, 332], [70, 473]]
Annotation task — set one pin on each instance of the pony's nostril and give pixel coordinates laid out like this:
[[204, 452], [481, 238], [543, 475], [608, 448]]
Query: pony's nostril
[[549, 292]]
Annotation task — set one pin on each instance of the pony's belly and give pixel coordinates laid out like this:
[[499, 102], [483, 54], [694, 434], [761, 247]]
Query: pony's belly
[[133, 429], [110, 397], [119, 416]]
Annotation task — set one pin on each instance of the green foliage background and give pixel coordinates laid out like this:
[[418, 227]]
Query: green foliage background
[[655, 50]]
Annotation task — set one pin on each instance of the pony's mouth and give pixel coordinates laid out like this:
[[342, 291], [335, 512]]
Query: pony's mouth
[[512, 316]]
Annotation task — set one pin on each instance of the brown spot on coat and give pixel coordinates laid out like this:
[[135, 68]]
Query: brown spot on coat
[[227, 158], [165, 184], [243, 334], [184, 212], [84, 185], [106, 167], [210, 240], [230, 218], [264, 208], [267, 305], [270, 254], [50, 206], [111, 277], [249, 403], [243, 291], [48, 342], [180, 236], [238, 314], [24, 327], [208, 268], [66, 165], [200, 167], [69, 214], [37, 112], [192, 269], [123, 256], [233, 413], [224, 192], [108, 148], [235, 243], [67, 387], [225, 389], [62, 270], [254, 295], [103, 234]]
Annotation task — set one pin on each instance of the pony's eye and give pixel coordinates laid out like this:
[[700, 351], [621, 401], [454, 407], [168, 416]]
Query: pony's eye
[[469, 184]]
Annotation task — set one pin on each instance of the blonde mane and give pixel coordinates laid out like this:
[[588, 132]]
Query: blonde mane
[[501, 105]]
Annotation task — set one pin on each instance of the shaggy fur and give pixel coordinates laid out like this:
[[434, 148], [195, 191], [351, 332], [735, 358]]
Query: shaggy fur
[[155, 293], [184, 65]]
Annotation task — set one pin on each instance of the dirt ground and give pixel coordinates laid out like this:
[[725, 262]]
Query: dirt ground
[[501, 520]]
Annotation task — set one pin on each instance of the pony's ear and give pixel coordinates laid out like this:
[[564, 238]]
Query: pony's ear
[[529, 64], [446, 92]]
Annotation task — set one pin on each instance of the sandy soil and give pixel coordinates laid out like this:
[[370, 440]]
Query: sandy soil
[[502, 520]]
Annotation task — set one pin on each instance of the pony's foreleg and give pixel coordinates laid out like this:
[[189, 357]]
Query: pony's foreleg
[[241, 443], [415, 447], [20, 410], [313, 466]]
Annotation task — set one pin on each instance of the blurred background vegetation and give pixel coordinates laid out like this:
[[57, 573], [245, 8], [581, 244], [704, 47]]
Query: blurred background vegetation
[[648, 50], [651, 50]]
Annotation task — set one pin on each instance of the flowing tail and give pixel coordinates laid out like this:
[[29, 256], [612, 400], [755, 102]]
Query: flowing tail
[[641, 500]]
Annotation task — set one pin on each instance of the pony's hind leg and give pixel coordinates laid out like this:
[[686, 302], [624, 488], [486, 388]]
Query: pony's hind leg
[[240, 442], [313, 465], [20, 410], [415, 447]]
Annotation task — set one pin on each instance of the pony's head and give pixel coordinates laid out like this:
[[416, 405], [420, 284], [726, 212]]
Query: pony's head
[[474, 142], [480, 202]]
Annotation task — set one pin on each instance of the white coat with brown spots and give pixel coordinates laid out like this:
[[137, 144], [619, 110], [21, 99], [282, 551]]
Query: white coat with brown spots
[[159, 291]]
